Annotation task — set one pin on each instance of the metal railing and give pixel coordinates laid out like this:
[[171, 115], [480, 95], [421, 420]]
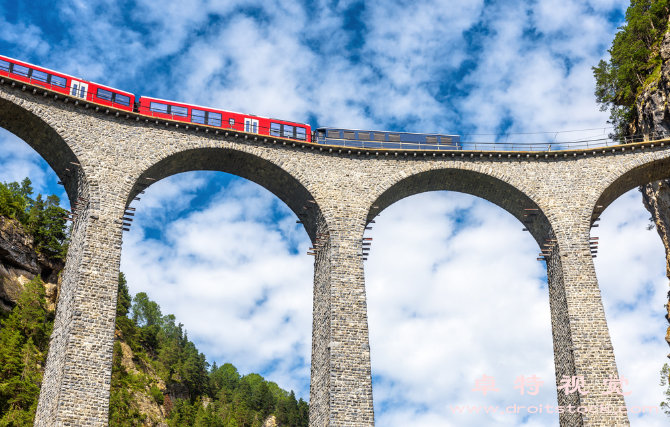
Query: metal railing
[[580, 144]]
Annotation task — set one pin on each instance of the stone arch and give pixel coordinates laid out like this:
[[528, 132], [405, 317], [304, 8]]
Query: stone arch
[[618, 183], [33, 127], [513, 196], [252, 167], [497, 190]]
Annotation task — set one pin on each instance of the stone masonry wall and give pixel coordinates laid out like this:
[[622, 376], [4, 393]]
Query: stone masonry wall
[[560, 328], [335, 192], [319, 398]]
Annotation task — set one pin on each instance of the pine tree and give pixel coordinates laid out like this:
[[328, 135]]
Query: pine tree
[[24, 341], [124, 298], [634, 61]]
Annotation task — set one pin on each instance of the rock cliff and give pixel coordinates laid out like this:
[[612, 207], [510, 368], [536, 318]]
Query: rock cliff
[[19, 263], [153, 414], [653, 120]]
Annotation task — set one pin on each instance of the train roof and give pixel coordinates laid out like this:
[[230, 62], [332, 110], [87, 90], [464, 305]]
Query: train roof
[[41, 67], [217, 109], [385, 131]]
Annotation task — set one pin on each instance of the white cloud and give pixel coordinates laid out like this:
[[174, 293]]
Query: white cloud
[[229, 273]]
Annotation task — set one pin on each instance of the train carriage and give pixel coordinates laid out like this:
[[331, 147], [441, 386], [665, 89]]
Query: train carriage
[[164, 109], [66, 84], [358, 138]]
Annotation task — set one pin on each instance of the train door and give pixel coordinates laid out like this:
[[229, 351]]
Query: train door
[[79, 89], [250, 125]]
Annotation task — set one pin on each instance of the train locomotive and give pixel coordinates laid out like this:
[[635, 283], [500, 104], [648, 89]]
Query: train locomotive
[[85, 90]]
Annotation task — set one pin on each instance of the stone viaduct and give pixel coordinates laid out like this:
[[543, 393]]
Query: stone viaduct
[[105, 158]]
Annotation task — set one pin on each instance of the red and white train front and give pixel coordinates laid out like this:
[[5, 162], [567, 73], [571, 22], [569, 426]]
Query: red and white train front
[[65, 84]]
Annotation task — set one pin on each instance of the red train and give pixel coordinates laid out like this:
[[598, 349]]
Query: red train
[[153, 107]]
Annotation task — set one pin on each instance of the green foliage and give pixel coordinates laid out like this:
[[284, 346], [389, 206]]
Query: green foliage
[[125, 300], [634, 63], [157, 395], [24, 341], [15, 199], [217, 397], [665, 382], [43, 219], [240, 401], [145, 311]]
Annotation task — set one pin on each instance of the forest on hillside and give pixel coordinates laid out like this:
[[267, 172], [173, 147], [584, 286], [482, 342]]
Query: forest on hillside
[[217, 396], [159, 361]]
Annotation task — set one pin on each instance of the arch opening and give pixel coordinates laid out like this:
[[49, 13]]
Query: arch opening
[[21, 258], [226, 257], [454, 293]]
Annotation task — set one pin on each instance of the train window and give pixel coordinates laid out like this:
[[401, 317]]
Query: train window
[[58, 81], [288, 131], [104, 94], [349, 135], [179, 111], [198, 116], [394, 137], [380, 136], [446, 139], [4, 65], [231, 122], [122, 99], [158, 107], [40, 76], [333, 134], [275, 129], [431, 139], [20, 70], [364, 136], [214, 119], [300, 133], [322, 134]]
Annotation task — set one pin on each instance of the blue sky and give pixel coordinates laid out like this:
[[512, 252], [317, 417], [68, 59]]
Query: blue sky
[[454, 290]]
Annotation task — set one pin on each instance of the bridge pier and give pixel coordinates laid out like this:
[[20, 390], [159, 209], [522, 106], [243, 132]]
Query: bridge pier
[[341, 382], [77, 376], [582, 344]]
